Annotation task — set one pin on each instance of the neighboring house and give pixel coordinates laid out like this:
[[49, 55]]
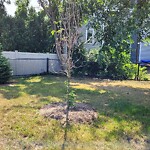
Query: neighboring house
[[87, 36], [140, 53]]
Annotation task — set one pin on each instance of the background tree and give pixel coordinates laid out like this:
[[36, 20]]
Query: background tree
[[2, 13], [115, 22], [27, 31], [2, 6], [5, 71], [141, 14]]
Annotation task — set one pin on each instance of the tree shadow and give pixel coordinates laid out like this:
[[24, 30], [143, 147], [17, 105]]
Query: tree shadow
[[46, 86], [65, 142], [128, 107], [118, 103]]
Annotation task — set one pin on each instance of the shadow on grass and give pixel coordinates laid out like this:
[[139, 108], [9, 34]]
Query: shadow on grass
[[128, 107], [46, 86], [10, 92]]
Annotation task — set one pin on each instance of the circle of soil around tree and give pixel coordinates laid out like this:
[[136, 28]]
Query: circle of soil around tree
[[79, 113]]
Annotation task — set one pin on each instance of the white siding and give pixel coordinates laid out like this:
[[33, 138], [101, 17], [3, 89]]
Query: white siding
[[83, 38], [32, 63]]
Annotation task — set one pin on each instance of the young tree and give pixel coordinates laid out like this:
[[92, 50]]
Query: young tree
[[65, 18]]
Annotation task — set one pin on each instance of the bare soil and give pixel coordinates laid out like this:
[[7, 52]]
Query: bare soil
[[79, 113]]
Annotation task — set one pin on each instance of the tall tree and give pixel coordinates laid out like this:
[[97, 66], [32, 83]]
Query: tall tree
[[115, 21], [141, 14], [2, 6], [38, 32], [2, 13], [27, 31], [112, 23]]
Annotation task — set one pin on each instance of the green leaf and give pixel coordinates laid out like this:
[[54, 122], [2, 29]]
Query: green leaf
[[53, 32]]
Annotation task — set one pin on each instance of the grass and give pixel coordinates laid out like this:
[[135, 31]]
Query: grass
[[123, 122]]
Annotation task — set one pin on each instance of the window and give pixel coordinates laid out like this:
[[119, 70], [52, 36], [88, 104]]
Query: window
[[90, 36]]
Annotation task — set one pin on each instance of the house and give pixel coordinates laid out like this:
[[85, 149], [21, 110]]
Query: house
[[87, 36], [140, 52]]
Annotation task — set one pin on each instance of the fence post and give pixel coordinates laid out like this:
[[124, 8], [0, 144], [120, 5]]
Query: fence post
[[47, 65], [16, 54], [16, 62], [138, 72]]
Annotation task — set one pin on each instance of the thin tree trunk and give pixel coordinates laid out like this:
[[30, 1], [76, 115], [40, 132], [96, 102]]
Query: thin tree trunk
[[67, 110], [68, 104]]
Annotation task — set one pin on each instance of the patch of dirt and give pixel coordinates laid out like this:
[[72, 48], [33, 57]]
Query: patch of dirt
[[80, 113]]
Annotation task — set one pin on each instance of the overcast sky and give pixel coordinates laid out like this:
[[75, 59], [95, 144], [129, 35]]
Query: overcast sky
[[11, 8]]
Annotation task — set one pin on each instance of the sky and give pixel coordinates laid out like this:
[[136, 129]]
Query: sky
[[11, 8]]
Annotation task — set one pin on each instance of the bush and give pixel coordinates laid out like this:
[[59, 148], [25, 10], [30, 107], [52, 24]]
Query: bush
[[107, 63], [5, 71], [92, 67], [142, 72], [85, 62], [116, 64]]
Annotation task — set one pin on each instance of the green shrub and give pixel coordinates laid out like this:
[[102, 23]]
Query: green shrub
[[130, 71], [92, 69], [116, 64], [106, 63], [92, 66], [5, 71], [142, 72]]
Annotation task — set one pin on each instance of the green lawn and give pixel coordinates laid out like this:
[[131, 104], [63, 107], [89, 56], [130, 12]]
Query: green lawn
[[123, 122]]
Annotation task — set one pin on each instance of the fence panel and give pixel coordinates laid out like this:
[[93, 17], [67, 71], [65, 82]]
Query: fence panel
[[54, 66], [32, 63]]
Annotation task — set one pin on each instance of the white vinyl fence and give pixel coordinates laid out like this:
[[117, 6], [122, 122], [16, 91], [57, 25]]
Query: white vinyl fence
[[23, 63]]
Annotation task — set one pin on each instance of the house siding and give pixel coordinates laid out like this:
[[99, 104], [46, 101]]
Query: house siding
[[88, 46]]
